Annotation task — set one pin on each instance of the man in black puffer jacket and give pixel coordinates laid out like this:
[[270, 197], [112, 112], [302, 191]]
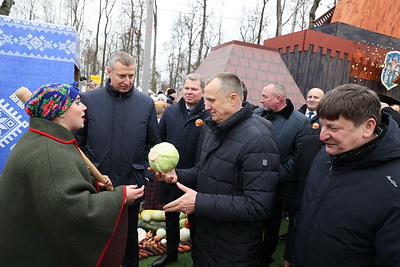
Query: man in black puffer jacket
[[235, 179], [350, 211]]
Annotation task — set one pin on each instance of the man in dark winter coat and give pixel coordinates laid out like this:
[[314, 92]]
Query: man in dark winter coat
[[350, 210], [309, 109], [235, 179], [171, 95], [120, 128], [308, 149], [393, 113], [181, 125], [290, 127], [295, 184], [297, 178]]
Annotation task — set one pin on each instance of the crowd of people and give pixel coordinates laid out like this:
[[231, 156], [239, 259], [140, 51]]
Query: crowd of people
[[332, 165]]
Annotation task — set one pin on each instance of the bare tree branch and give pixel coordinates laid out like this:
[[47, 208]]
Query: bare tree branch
[[261, 22], [203, 31], [108, 7]]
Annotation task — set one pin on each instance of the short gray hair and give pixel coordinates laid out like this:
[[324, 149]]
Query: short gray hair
[[229, 83], [279, 89], [196, 77], [121, 56]]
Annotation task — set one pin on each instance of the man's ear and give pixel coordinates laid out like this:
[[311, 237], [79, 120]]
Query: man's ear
[[234, 98], [369, 127]]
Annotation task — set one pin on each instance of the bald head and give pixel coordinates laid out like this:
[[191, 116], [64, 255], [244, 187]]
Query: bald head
[[314, 95], [395, 107]]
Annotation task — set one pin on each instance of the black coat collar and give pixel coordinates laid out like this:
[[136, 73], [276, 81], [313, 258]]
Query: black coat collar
[[285, 112], [114, 93]]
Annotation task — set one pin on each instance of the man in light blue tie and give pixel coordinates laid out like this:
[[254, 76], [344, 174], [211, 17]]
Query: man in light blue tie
[[314, 95]]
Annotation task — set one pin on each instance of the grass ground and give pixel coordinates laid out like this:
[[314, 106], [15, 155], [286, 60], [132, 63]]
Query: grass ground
[[184, 260]]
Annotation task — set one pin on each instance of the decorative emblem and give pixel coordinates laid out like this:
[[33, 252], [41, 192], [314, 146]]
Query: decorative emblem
[[391, 69], [199, 122], [11, 124], [391, 180], [265, 162], [315, 126]]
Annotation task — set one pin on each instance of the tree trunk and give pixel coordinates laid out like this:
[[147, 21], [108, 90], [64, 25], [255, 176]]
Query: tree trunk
[[106, 32], [294, 18], [260, 26], [178, 67], [203, 31], [138, 46], [5, 7], [278, 18], [312, 13], [96, 46], [153, 72]]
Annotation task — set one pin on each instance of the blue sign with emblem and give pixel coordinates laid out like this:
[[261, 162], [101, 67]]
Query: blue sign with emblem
[[391, 69]]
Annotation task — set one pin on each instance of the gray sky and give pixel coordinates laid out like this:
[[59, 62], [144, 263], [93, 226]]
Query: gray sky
[[229, 11]]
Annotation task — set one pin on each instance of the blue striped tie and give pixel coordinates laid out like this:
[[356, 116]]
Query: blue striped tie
[[310, 115]]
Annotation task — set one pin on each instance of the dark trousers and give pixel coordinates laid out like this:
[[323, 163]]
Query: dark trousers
[[271, 234], [131, 257], [173, 232], [192, 225], [172, 225]]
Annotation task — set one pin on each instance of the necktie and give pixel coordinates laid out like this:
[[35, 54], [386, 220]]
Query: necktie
[[310, 115]]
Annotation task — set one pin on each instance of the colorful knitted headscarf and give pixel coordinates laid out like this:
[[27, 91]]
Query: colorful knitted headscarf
[[51, 100]]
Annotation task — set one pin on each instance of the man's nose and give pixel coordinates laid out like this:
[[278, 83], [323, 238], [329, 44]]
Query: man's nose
[[323, 135]]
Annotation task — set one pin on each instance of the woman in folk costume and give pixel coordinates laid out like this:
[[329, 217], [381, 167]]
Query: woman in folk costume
[[51, 212]]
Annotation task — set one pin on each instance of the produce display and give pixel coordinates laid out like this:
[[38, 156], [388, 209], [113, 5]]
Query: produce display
[[152, 234], [161, 233], [148, 215], [163, 157], [184, 234]]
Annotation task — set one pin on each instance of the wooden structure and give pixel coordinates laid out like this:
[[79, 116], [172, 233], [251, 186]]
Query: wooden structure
[[381, 16], [397, 79], [315, 59], [255, 65], [349, 46]]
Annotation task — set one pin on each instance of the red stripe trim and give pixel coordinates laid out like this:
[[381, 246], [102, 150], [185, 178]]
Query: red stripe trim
[[115, 228], [97, 185], [52, 137]]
